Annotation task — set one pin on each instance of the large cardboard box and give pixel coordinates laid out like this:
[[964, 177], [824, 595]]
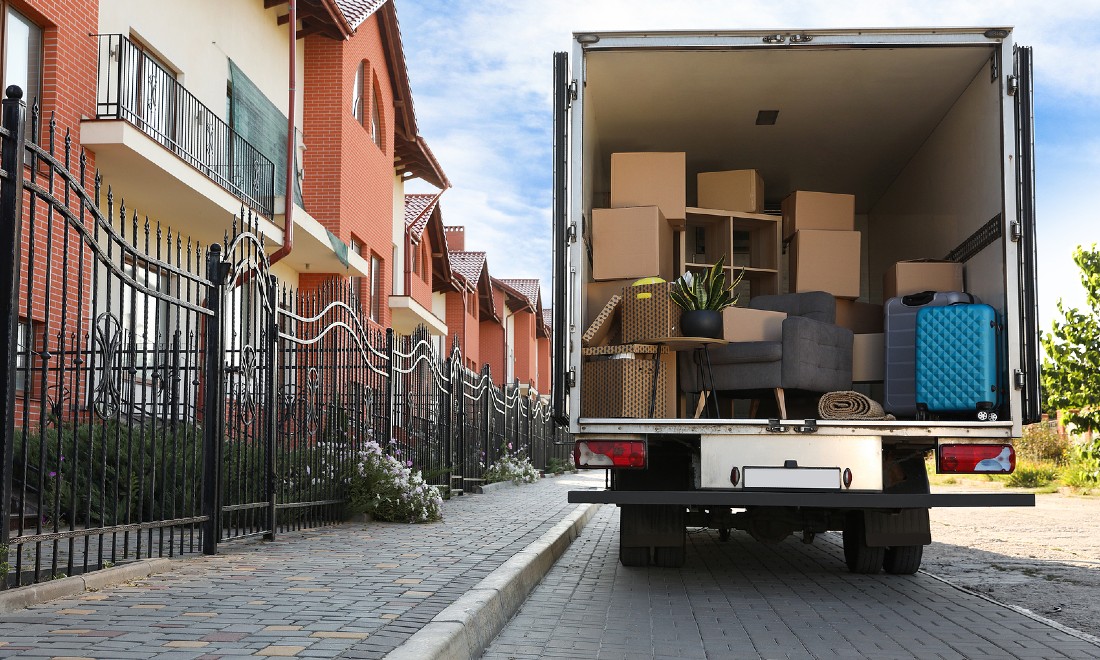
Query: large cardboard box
[[649, 313], [732, 190], [804, 209], [617, 381], [917, 275], [597, 294], [868, 358], [631, 243], [825, 261], [743, 324], [650, 179], [859, 317]]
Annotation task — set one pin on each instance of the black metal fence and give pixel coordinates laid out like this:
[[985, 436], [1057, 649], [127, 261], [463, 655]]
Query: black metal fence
[[135, 86], [163, 396]]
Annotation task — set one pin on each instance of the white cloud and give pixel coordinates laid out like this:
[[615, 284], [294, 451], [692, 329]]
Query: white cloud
[[481, 75]]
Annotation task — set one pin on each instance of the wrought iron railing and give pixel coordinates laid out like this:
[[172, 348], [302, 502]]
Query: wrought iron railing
[[162, 397], [134, 86]]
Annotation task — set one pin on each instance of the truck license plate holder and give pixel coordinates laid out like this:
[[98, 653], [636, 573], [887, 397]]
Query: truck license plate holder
[[797, 478]]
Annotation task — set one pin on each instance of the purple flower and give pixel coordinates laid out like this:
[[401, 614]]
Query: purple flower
[[408, 463], [53, 474], [509, 445]]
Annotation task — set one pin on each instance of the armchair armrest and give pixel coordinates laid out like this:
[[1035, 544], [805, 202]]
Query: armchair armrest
[[817, 356]]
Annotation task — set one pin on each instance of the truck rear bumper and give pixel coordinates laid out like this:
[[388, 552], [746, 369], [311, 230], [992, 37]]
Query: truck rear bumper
[[816, 500]]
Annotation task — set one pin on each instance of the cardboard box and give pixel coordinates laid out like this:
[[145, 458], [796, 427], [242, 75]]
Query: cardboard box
[[631, 243], [825, 261], [597, 294], [859, 317], [649, 313], [603, 330], [733, 190], [650, 179], [617, 381], [917, 275], [868, 358], [743, 324], [803, 209]]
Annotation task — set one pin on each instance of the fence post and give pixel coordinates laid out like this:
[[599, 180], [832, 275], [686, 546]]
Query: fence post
[[269, 403], [11, 212], [390, 373], [487, 412], [213, 402]]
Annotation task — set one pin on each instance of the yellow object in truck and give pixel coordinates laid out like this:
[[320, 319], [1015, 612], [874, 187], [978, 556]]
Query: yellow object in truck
[[644, 281]]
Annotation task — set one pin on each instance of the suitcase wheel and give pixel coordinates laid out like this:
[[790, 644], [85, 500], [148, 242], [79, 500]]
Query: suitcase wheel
[[983, 416]]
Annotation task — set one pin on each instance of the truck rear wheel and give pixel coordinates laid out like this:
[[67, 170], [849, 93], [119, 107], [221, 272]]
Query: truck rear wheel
[[902, 559], [860, 557]]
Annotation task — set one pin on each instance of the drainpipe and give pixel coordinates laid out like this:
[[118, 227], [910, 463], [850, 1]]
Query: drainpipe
[[288, 194]]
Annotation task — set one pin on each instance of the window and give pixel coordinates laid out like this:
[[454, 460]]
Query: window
[[375, 117], [22, 55], [415, 258], [356, 282], [22, 356], [357, 93], [424, 259], [142, 315], [375, 289]]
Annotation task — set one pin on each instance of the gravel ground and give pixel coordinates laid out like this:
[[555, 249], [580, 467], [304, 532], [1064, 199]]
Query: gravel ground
[[1044, 559]]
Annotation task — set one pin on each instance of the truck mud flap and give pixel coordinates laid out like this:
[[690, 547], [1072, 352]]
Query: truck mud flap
[[813, 500], [905, 527]]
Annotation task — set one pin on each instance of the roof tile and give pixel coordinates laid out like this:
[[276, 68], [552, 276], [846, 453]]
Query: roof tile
[[418, 210], [468, 264], [357, 11], [528, 287]]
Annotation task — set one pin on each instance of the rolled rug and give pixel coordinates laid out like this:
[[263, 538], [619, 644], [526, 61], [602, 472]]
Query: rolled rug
[[850, 405]]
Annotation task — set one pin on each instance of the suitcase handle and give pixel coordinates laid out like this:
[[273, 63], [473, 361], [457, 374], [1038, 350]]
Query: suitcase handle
[[925, 297]]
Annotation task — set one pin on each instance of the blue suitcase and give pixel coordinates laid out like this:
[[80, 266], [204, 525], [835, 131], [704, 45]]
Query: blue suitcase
[[956, 361], [900, 320]]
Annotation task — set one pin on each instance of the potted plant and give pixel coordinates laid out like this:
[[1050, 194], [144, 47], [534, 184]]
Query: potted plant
[[702, 297]]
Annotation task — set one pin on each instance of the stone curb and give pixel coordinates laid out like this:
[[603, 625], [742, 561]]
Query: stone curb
[[465, 628], [36, 594], [485, 489]]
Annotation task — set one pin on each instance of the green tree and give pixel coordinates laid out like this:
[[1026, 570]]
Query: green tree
[[1071, 368]]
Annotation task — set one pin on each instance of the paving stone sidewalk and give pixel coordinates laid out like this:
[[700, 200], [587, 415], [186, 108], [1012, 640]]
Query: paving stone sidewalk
[[349, 591]]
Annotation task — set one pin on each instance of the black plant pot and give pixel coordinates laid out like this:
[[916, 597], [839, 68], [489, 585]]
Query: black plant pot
[[701, 323]]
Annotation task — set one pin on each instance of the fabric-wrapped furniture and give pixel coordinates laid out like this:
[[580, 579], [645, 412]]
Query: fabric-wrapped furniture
[[814, 355]]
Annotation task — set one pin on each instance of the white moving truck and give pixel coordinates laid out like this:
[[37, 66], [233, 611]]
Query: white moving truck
[[931, 131]]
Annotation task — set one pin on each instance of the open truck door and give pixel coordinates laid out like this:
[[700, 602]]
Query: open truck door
[[1024, 233], [563, 98]]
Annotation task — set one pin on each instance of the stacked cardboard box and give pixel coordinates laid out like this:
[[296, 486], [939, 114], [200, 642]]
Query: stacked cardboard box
[[631, 243], [651, 179], [908, 277], [618, 381], [824, 248], [732, 190]]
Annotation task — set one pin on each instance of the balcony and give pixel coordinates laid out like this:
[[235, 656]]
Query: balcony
[[137, 89]]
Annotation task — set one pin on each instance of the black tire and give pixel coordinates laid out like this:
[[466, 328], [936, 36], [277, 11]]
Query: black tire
[[637, 556], [723, 534], [902, 559], [669, 557], [860, 557]]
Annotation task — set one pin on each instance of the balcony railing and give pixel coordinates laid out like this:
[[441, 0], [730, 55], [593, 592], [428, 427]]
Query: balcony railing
[[134, 86]]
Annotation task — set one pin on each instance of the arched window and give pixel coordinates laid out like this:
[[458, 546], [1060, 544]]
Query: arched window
[[357, 92], [375, 117]]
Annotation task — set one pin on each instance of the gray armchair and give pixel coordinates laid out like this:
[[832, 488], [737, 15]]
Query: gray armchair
[[814, 355]]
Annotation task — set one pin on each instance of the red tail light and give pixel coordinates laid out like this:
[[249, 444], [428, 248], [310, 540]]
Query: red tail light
[[976, 459], [609, 454]]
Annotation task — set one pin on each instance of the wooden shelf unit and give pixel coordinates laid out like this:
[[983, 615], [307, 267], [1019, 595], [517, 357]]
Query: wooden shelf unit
[[719, 231]]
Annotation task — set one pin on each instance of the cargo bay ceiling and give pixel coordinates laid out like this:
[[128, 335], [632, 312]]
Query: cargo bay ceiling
[[849, 119]]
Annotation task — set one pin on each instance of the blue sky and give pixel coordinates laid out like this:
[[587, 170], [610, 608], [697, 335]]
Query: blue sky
[[481, 78]]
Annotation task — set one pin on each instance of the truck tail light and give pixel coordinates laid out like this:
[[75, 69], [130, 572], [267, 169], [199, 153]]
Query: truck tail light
[[609, 454], [976, 459]]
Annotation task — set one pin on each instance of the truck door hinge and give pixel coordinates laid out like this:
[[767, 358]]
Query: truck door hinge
[[775, 427], [799, 38], [571, 378], [809, 427], [571, 233], [1017, 231], [995, 66], [774, 38], [1013, 85], [570, 93], [1019, 379]]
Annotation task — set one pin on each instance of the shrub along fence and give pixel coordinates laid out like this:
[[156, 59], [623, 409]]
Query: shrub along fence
[[163, 396]]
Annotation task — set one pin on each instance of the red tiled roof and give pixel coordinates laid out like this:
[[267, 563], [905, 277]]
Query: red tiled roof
[[469, 265], [357, 11], [418, 211], [548, 317], [528, 287]]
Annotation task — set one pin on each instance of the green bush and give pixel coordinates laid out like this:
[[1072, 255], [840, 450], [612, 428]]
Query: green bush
[[1042, 442], [388, 489], [556, 465], [515, 467], [1032, 475]]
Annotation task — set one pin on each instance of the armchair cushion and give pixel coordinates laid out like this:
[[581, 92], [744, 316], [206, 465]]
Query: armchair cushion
[[816, 305], [817, 356]]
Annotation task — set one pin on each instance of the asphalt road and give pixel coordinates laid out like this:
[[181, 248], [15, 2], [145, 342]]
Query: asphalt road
[[745, 599]]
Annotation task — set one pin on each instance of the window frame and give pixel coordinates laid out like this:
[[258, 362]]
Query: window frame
[[24, 349], [358, 97], [375, 128], [376, 266], [29, 95], [356, 246]]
